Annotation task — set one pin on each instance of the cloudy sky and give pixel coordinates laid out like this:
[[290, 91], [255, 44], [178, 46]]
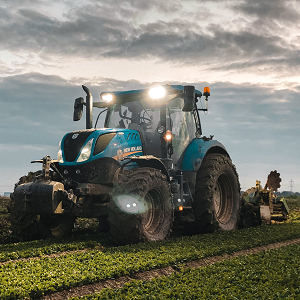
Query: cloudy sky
[[247, 51]]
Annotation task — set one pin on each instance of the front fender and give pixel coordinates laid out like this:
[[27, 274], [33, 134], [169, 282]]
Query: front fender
[[149, 161]]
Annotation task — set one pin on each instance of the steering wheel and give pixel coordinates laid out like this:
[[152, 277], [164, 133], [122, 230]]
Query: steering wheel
[[146, 120]]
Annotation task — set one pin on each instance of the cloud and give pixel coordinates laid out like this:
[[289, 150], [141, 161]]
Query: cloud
[[13, 148], [117, 30], [275, 101], [279, 10], [36, 112]]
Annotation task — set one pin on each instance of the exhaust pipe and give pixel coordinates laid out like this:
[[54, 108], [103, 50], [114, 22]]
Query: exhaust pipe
[[89, 108]]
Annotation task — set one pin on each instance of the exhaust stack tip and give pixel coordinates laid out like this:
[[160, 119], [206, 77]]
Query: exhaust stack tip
[[89, 108]]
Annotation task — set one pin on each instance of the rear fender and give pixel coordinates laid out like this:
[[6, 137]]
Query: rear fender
[[191, 160], [194, 154]]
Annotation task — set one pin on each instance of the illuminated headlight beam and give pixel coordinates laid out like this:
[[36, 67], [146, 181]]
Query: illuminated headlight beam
[[86, 151], [157, 92]]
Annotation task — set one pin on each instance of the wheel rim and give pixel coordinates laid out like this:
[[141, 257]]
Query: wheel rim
[[154, 211], [223, 198]]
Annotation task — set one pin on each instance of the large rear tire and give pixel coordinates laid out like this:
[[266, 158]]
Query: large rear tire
[[140, 208], [217, 195]]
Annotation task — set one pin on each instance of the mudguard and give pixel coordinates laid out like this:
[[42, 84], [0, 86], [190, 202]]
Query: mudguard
[[150, 162], [192, 157]]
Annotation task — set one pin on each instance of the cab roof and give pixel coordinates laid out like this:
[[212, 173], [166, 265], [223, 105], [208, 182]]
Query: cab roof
[[137, 95]]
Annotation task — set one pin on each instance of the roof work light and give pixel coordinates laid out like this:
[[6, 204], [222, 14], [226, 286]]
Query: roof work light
[[106, 97], [157, 92]]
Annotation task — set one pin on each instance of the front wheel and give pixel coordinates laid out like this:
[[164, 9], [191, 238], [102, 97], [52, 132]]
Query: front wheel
[[140, 208], [55, 225], [217, 195]]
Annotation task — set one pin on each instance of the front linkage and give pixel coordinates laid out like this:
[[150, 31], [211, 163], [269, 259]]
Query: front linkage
[[47, 204]]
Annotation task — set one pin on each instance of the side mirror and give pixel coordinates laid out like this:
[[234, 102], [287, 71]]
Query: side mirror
[[78, 109], [189, 98]]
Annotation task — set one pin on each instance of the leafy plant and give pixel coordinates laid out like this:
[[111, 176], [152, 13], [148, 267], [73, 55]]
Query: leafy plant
[[272, 274], [33, 278]]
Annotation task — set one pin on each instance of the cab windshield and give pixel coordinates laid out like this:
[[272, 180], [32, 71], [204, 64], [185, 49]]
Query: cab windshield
[[141, 116]]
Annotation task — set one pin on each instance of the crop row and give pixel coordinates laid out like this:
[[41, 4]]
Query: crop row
[[272, 274], [34, 278], [50, 246], [250, 237]]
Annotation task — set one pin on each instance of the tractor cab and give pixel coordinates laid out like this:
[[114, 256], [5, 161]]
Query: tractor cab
[[165, 129], [166, 117]]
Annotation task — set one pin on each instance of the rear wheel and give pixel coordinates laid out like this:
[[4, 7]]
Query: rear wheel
[[140, 208], [217, 195]]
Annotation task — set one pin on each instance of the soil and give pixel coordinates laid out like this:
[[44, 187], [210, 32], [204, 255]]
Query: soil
[[120, 282]]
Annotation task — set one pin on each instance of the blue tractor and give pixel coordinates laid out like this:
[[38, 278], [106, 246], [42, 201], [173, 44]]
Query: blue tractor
[[146, 168]]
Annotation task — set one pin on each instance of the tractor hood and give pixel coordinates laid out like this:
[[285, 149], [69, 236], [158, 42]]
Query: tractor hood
[[79, 147]]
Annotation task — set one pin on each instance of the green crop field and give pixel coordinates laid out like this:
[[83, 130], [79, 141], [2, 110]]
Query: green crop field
[[36, 268], [4, 223], [3, 210], [268, 275], [36, 277]]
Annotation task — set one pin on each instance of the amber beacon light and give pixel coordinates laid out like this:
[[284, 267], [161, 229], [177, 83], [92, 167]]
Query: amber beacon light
[[206, 92]]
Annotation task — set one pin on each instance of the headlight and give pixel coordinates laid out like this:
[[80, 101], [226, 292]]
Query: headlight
[[86, 151], [157, 92], [59, 153]]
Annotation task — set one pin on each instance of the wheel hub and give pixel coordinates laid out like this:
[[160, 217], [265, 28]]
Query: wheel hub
[[223, 198], [151, 217]]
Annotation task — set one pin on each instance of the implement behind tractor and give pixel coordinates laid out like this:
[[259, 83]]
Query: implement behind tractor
[[262, 204]]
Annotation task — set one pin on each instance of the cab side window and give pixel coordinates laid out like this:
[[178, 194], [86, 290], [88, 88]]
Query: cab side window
[[183, 126]]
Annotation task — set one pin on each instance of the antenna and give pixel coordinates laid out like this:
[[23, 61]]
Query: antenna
[[291, 186]]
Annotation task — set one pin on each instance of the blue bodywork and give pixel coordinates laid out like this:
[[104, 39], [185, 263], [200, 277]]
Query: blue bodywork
[[192, 157], [126, 141]]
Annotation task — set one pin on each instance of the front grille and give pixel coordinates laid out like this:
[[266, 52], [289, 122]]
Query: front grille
[[72, 145]]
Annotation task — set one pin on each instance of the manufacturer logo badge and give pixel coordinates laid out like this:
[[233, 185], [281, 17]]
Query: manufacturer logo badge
[[75, 135]]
